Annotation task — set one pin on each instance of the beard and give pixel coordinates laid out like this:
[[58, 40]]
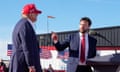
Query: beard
[[84, 31]]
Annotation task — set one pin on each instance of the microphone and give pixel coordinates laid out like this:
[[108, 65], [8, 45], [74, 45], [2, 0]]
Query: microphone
[[92, 32]]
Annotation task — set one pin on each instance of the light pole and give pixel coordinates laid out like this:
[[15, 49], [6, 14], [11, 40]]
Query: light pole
[[49, 17], [48, 37], [47, 26]]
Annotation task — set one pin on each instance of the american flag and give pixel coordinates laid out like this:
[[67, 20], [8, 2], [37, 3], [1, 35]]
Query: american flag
[[50, 17], [63, 54], [45, 54], [9, 50]]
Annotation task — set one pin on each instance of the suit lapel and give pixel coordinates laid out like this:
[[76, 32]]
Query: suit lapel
[[31, 27], [89, 41]]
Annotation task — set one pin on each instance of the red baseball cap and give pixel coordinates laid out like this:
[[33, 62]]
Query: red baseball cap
[[30, 8]]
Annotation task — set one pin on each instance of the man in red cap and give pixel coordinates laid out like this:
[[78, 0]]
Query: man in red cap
[[25, 56]]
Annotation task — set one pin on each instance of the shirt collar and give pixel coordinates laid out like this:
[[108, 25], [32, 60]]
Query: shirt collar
[[86, 34], [30, 22]]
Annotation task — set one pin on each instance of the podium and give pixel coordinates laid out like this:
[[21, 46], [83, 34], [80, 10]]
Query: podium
[[109, 63]]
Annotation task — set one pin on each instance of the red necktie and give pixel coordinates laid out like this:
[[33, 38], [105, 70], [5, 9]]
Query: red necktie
[[82, 53]]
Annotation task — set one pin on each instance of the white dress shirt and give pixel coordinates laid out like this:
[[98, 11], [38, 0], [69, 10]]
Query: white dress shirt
[[86, 47], [32, 24]]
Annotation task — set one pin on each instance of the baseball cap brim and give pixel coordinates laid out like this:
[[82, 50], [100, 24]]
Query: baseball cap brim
[[38, 11]]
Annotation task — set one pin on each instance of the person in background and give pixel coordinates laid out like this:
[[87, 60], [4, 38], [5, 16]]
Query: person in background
[[81, 47], [2, 66], [25, 56], [50, 69]]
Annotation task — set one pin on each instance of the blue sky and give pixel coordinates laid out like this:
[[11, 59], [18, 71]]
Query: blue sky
[[104, 13]]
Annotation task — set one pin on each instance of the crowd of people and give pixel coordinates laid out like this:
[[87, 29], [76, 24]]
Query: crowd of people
[[3, 67]]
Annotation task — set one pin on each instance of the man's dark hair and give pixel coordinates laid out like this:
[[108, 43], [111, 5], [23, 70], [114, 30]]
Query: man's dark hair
[[87, 19]]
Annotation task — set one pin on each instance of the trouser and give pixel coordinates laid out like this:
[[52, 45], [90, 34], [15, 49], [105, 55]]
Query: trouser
[[83, 69]]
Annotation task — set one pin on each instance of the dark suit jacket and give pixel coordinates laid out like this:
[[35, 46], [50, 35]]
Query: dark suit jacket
[[73, 43], [25, 48]]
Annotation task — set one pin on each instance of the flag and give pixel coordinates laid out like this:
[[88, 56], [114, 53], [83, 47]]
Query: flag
[[45, 54], [48, 47], [9, 50], [63, 54], [50, 17]]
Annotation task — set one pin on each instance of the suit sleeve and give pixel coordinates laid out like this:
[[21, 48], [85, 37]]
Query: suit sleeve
[[60, 46], [27, 44], [95, 48]]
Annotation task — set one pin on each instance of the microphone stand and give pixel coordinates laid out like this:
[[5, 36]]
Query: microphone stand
[[97, 34], [107, 41]]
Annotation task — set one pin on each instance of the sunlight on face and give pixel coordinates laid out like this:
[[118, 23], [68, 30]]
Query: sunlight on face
[[33, 17], [84, 26]]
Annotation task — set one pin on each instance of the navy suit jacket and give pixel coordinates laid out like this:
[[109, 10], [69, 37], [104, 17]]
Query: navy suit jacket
[[73, 42], [25, 48]]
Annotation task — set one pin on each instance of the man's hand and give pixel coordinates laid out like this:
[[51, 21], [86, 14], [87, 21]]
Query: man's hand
[[54, 37], [32, 69]]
